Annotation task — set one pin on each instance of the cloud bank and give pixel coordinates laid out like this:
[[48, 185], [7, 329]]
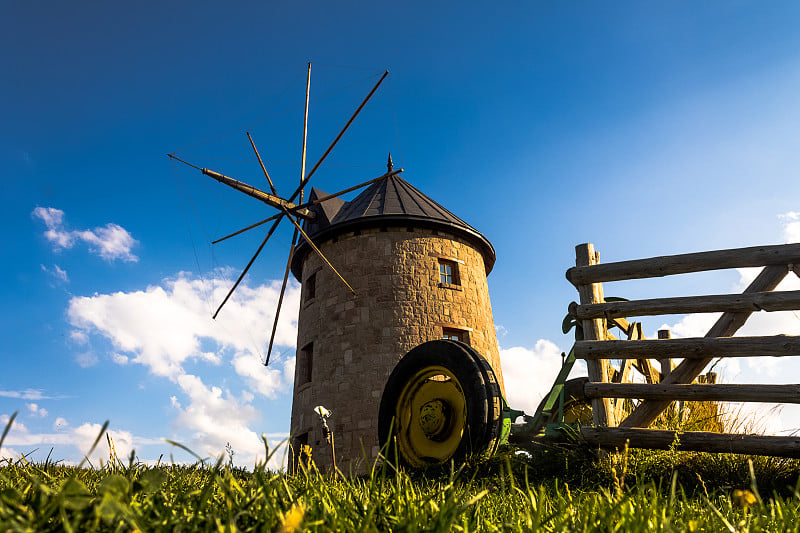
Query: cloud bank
[[168, 326], [80, 437]]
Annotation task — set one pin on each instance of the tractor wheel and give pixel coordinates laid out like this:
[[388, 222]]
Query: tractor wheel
[[441, 402], [496, 433], [577, 408]]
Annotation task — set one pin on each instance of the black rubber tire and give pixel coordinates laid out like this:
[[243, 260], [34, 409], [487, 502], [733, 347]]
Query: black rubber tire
[[481, 393], [494, 396]]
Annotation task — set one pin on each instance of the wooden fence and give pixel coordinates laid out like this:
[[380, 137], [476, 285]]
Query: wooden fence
[[609, 387]]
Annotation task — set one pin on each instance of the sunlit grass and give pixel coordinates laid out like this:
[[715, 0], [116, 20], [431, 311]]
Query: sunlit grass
[[575, 491], [564, 487]]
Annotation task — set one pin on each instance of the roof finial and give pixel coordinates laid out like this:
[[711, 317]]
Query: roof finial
[[389, 164]]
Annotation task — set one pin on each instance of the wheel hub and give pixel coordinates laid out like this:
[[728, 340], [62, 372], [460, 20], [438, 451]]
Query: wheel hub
[[434, 419]]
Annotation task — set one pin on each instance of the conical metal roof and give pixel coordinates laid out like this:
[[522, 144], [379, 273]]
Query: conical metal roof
[[394, 196], [389, 202]]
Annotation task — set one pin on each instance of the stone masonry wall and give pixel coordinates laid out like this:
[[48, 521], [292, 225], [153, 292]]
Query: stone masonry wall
[[357, 340]]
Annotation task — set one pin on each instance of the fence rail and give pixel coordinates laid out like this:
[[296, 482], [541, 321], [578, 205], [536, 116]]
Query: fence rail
[[696, 392], [696, 441], [690, 348], [607, 387], [717, 303], [654, 267]]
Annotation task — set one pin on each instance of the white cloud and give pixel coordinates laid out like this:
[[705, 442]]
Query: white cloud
[[168, 326], [8, 453], [109, 242], [79, 439], [4, 419], [86, 359], [164, 326], [791, 228], [265, 380], [84, 436], [288, 369], [57, 272], [78, 336], [119, 358], [35, 410], [53, 219], [27, 394], [216, 418], [694, 325]]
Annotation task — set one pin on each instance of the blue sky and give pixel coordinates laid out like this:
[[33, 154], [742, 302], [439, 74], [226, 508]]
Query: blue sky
[[645, 129]]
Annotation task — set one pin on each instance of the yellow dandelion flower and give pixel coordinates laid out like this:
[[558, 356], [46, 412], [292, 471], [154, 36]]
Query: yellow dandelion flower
[[293, 519], [743, 498]]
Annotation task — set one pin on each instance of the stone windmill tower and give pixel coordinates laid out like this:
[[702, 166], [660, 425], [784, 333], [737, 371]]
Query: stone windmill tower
[[418, 273], [381, 275]]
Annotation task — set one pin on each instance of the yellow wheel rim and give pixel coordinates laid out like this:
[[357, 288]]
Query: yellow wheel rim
[[577, 412], [431, 415]]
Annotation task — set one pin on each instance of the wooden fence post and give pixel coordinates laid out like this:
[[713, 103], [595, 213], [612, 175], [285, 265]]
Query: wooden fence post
[[603, 412], [666, 369], [666, 364]]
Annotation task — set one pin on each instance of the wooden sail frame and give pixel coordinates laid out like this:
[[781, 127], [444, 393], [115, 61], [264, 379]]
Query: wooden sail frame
[[287, 208]]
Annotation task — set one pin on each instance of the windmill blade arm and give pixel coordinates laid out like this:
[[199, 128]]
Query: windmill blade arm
[[263, 168], [349, 189], [252, 260], [251, 226], [280, 298], [249, 190], [338, 137], [318, 251]]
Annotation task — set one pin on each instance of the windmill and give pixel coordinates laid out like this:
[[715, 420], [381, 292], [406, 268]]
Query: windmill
[[394, 296], [288, 209]]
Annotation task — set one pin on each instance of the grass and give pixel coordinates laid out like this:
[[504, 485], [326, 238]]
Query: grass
[[557, 489], [564, 487]]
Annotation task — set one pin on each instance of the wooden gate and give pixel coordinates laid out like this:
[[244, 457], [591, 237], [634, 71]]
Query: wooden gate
[[611, 426]]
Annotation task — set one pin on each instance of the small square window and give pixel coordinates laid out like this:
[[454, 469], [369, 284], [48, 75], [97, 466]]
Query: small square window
[[455, 335], [305, 364], [448, 272], [311, 287]]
